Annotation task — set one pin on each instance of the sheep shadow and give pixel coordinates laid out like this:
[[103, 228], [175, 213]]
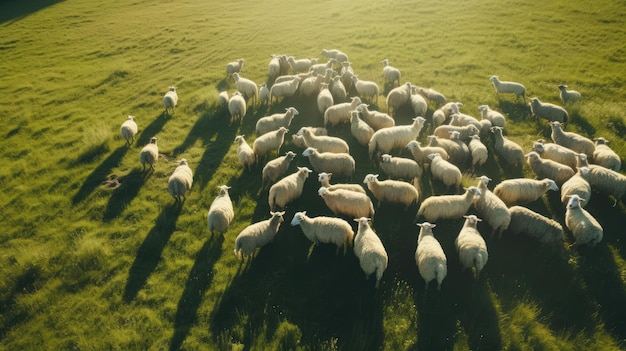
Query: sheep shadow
[[149, 253], [214, 153], [16, 10], [515, 111], [122, 196], [581, 124], [206, 126], [99, 174], [151, 130]]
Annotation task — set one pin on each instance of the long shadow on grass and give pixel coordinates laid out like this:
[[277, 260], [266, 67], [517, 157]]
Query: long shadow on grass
[[99, 174], [149, 253], [122, 196], [15, 10], [515, 111], [581, 124], [215, 151], [151, 130]]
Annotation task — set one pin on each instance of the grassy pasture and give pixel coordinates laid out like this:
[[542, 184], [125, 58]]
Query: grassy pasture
[[87, 267]]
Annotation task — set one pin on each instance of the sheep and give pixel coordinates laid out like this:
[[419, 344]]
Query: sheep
[[478, 151], [268, 142], [340, 113], [495, 117], [149, 154], [432, 95], [429, 256], [548, 111], [275, 121], [347, 203], [246, 87], [360, 130], [493, 210], [338, 55], [323, 143], [234, 67], [366, 89], [579, 185], [444, 171], [441, 114], [284, 89], [180, 181], [264, 94], [605, 180], [375, 119], [170, 100], [438, 207], [544, 168], [391, 74], [298, 140], [471, 246], [420, 153], [392, 191], [311, 85], [397, 97], [584, 227], [300, 65], [338, 89], [604, 156], [276, 168], [523, 190], [273, 68], [320, 68], [465, 132], [400, 168], [128, 130], [532, 224], [223, 98], [568, 96], [290, 77], [396, 137], [341, 165], [461, 119], [221, 212], [324, 179], [237, 106], [458, 154], [257, 235], [246, 155], [324, 99], [512, 153], [556, 152], [418, 102], [321, 229], [571, 140], [288, 189], [370, 250], [461, 151], [508, 87]]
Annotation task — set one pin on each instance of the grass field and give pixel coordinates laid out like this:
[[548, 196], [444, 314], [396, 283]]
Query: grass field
[[86, 267]]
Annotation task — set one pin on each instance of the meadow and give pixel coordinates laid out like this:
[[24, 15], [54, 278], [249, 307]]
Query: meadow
[[88, 267]]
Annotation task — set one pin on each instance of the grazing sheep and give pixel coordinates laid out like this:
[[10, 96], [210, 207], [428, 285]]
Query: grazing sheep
[[370, 250], [341, 165], [275, 121], [418, 102], [237, 106], [264, 94], [170, 100], [149, 154], [246, 155], [347, 203], [324, 99], [300, 65], [360, 130], [438, 207], [578, 185], [457, 153], [438, 98], [298, 140], [491, 208], [323, 143], [535, 226], [288, 189], [508, 87], [221, 212], [471, 246], [496, 118], [420, 154], [335, 54], [234, 67], [391, 74], [556, 152], [544, 168], [444, 171], [223, 98], [568, 96], [512, 153], [465, 132], [269, 142], [276, 168], [605, 156], [246, 87], [396, 137], [392, 191], [338, 88], [180, 181], [584, 227], [128, 130], [366, 89], [523, 190], [400, 168], [572, 140], [478, 151], [340, 113], [311, 85], [429, 256], [375, 119], [548, 111], [328, 230], [284, 89], [398, 97], [258, 235], [324, 179], [605, 180]]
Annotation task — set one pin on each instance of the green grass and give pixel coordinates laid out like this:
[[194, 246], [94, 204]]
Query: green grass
[[86, 267]]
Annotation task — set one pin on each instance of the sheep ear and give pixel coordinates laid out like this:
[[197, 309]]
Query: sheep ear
[[433, 225], [356, 219]]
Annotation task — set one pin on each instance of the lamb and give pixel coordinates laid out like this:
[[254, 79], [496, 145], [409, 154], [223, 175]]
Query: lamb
[[341, 165], [584, 227], [544, 168], [347, 203], [523, 190], [264, 94], [234, 67], [180, 181], [221, 212], [128, 130], [438, 98], [324, 179], [571, 140], [237, 106], [465, 132], [311, 85], [257, 235], [288, 189], [340, 113], [471, 246], [503, 87], [360, 130], [438, 207], [396, 137], [391, 74], [300, 65], [149, 154], [366, 89], [418, 102], [400, 168], [478, 151], [222, 99], [495, 117], [339, 89], [605, 156], [512, 153], [323, 143], [392, 191], [548, 111], [535, 226], [246, 155], [420, 154], [429, 256], [568, 96], [444, 171], [269, 142], [458, 152], [370, 251], [276, 168], [328, 230], [275, 121], [298, 140], [556, 152], [246, 87], [324, 99], [170, 100], [397, 97], [376, 120], [491, 208], [606, 180], [284, 89], [578, 185]]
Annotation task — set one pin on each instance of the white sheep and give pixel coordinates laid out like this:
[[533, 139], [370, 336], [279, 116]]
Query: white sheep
[[441, 114], [512, 153], [320, 68], [257, 235], [366, 89], [508, 87], [579, 185], [418, 102], [534, 225], [370, 251], [547, 111], [234, 67], [375, 119], [478, 151], [149, 154], [398, 97], [605, 180], [604, 156], [298, 140], [556, 152], [180, 181], [276, 168], [458, 153], [493, 210], [461, 119], [237, 106], [300, 65], [429, 256], [338, 88], [273, 68], [170, 100], [275, 121], [311, 85], [568, 96], [400, 167], [572, 140], [288, 189], [223, 98], [246, 87], [284, 89], [324, 179], [264, 94], [396, 137], [438, 207], [347, 203], [465, 132], [495, 117], [245, 154], [291, 77], [444, 171], [392, 191], [340, 113], [341, 164], [360, 130], [338, 55], [391, 74], [420, 153], [323, 143], [221, 212], [322, 229], [324, 99], [269, 142], [544, 168], [438, 98], [523, 190], [128, 130], [471, 246], [582, 224]]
